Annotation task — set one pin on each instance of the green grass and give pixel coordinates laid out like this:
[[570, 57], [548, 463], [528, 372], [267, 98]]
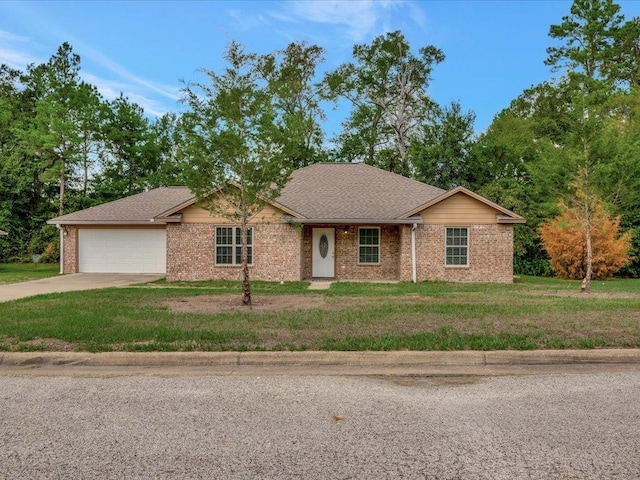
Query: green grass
[[23, 272], [530, 314]]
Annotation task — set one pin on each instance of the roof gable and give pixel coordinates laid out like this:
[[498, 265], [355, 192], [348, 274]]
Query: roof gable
[[502, 214], [169, 214]]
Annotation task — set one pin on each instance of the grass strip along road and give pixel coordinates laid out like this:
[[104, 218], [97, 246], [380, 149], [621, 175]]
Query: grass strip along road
[[533, 313], [23, 272]]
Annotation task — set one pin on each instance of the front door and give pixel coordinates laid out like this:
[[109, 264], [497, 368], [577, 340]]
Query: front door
[[323, 253]]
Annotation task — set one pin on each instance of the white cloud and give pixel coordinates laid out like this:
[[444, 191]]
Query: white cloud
[[137, 89], [111, 89], [358, 17], [419, 16], [246, 22], [14, 51], [149, 105], [16, 59], [10, 37], [166, 91]]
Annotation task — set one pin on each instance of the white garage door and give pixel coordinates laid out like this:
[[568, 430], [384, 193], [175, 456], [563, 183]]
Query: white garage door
[[122, 250]]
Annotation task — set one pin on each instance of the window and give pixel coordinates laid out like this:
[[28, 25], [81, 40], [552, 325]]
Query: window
[[457, 246], [229, 246], [369, 245]]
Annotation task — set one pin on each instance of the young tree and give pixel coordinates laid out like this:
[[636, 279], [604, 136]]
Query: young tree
[[387, 87], [576, 254], [236, 144]]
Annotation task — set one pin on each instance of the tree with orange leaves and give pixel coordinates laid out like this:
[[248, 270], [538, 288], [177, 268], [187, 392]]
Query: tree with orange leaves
[[565, 241]]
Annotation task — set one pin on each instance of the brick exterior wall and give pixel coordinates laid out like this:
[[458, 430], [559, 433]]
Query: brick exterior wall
[[346, 254], [490, 254], [283, 252], [191, 255], [70, 254]]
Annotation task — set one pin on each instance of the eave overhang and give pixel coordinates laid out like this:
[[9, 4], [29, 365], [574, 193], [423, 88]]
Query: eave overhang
[[508, 219], [353, 221], [174, 218], [148, 223]]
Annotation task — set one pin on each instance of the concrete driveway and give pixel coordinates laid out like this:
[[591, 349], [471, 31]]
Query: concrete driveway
[[72, 282]]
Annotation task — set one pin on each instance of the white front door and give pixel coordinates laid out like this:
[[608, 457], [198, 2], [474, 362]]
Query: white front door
[[323, 253]]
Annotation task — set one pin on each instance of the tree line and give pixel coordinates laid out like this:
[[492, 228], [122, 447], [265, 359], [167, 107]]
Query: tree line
[[565, 148]]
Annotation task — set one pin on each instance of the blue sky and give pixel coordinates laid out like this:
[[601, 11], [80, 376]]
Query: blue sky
[[494, 49]]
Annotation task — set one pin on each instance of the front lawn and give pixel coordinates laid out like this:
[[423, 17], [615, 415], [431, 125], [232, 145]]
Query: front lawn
[[23, 272], [530, 314]]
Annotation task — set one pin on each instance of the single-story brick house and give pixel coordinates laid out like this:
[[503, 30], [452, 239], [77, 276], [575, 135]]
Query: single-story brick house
[[339, 221]]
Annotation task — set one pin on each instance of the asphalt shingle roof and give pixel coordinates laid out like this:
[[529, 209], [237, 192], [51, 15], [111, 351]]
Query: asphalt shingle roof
[[340, 191], [138, 208], [353, 191]]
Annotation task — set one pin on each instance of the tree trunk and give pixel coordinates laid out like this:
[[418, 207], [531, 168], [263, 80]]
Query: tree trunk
[[246, 287], [404, 156], [85, 168], [62, 185], [586, 281]]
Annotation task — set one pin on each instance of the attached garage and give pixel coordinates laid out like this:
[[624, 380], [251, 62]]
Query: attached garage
[[124, 236], [122, 250]]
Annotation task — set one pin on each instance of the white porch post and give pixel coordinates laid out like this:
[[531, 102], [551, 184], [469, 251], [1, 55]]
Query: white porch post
[[61, 249], [414, 272]]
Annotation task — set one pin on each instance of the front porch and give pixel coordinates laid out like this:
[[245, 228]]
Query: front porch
[[356, 252]]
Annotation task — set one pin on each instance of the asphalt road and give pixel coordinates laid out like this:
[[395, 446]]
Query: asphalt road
[[571, 425]]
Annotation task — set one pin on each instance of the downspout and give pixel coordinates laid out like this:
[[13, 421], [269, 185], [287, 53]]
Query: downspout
[[414, 272], [61, 249]]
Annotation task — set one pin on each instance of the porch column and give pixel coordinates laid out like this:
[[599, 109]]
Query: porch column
[[61, 249], [414, 272]]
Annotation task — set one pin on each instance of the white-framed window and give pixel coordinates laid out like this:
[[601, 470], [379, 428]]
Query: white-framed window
[[228, 246], [369, 245], [457, 247]]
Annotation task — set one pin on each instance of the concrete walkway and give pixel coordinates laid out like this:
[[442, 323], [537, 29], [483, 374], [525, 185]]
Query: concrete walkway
[[72, 282]]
